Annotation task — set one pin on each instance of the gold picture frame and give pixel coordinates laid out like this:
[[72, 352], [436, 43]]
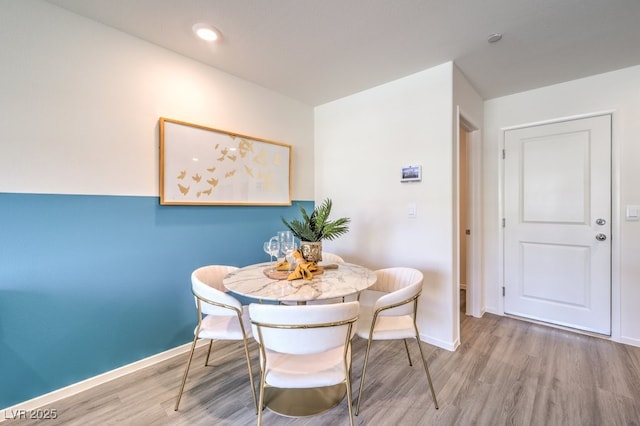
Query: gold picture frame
[[205, 166]]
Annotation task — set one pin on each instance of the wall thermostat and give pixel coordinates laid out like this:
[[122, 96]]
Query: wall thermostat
[[411, 174]]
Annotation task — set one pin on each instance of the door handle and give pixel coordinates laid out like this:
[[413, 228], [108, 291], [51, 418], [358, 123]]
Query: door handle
[[601, 237]]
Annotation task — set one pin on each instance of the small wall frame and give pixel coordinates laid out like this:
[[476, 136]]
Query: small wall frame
[[201, 165], [411, 174]]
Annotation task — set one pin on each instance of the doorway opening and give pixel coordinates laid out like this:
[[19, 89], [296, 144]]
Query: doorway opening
[[469, 232]]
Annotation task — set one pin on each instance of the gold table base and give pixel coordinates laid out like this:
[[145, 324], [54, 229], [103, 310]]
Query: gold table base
[[303, 402]]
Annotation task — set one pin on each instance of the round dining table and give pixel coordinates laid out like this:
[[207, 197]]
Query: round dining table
[[335, 282]]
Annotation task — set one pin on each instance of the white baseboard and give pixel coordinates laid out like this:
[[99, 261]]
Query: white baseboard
[[630, 341], [450, 346], [482, 312], [91, 382]]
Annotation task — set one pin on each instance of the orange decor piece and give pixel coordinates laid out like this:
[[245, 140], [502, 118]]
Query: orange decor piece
[[283, 275]]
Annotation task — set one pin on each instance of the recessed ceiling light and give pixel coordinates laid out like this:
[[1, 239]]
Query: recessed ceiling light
[[495, 37], [206, 32]]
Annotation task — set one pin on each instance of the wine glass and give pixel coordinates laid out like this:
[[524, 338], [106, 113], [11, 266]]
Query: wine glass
[[286, 241], [287, 244], [272, 248]]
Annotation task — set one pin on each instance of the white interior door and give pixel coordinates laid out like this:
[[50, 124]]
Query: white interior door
[[558, 223]]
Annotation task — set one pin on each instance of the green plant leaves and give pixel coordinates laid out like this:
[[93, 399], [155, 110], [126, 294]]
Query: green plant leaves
[[317, 226]]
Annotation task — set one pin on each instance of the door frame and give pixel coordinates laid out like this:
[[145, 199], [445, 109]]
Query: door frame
[[475, 287], [615, 216]]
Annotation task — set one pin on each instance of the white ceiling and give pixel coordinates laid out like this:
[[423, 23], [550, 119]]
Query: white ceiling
[[317, 51]]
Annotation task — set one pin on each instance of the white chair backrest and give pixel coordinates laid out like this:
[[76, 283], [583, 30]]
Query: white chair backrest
[[206, 282], [331, 258], [400, 284], [306, 329]]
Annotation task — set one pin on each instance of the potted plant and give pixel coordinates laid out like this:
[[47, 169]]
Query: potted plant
[[315, 227]]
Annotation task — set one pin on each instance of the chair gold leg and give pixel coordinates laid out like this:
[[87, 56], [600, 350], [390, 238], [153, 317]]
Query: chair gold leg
[[349, 396], [253, 387], [186, 371], [364, 372], [406, 347], [426, 369], [206, 361], [261, 402], [351, 360]]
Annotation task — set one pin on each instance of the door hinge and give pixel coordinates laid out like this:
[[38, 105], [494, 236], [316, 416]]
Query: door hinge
[[504, 222], [503, 291], [504, 155]]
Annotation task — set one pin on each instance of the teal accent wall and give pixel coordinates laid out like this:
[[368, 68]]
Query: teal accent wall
[[92, 283]]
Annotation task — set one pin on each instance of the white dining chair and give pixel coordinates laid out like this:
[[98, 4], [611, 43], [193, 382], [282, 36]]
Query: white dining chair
[[388, 312], [329, 258], [304, 347], [220, 317]]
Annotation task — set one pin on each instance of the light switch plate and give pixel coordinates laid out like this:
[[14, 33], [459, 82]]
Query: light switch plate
[[411, 211], [633, 213]]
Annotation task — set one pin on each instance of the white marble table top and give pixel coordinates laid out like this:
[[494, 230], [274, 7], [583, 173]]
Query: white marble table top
[[252, 282]]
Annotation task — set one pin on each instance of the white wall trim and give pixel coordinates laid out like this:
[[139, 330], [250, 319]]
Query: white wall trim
[[475, 304], [449, 346], [629, 341], [74, 389], [558, 120], [501, 182]]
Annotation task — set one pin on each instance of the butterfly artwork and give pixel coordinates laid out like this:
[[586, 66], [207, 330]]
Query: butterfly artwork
[[202, 165], [184, 189]]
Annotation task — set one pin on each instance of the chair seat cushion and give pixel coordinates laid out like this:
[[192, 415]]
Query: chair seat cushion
[[305, 371], [387, 328], [225, 327]]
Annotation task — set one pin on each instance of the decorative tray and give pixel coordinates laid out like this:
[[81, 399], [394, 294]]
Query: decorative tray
[[283, 275]]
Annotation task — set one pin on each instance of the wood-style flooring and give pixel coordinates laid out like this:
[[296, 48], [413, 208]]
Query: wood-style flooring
[[506, 372]]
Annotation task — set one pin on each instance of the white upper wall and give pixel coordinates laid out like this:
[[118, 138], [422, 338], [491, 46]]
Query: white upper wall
[[362, 143], [617, 92], [80, 104]]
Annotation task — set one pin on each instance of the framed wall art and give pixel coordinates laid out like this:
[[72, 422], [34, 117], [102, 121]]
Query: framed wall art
[[411, 174], [202, 165]]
